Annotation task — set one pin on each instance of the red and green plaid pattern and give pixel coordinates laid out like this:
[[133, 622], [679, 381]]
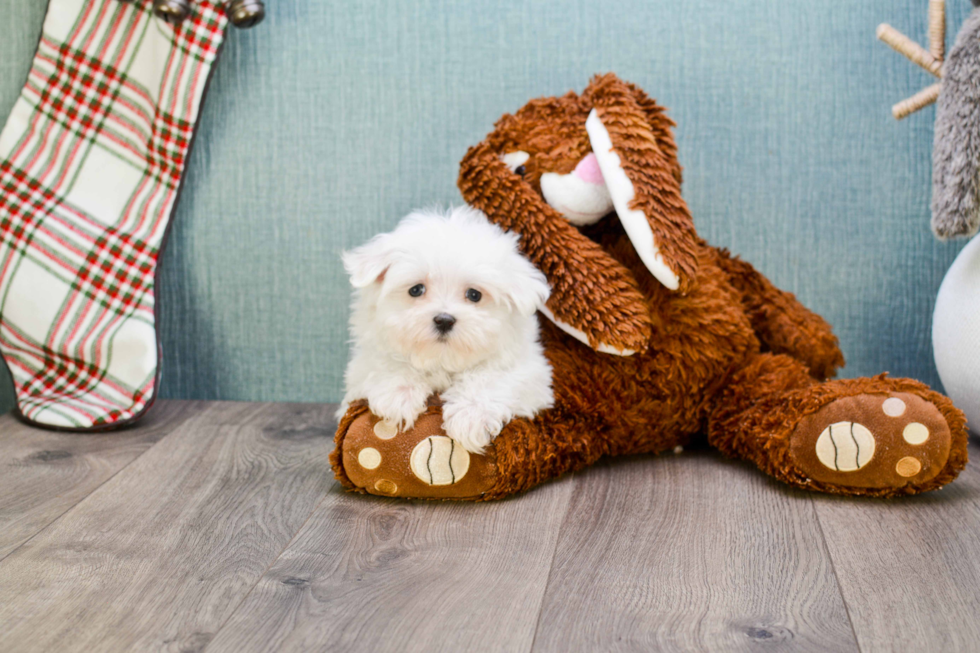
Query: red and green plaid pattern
[[91, 159]]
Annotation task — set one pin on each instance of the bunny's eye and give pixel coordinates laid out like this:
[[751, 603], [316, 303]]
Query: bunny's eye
[[417, 290], [515, 161], [474, 295]]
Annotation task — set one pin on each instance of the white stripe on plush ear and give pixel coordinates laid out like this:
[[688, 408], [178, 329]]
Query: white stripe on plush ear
[[580, 335], [621, 188]]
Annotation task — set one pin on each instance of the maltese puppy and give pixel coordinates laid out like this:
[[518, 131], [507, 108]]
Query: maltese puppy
[[446, 304]]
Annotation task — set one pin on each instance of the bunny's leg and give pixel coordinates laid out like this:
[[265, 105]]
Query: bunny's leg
[[781, 322], [872, 436]]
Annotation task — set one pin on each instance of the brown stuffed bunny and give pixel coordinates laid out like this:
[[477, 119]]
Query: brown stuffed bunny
[[654, 336]]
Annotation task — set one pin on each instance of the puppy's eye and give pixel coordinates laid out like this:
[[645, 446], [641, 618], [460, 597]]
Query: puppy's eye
[[520, 170], [417, 290], [474, 295]]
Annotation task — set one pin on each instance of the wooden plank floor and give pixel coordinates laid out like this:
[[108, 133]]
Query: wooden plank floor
[[219, 527]]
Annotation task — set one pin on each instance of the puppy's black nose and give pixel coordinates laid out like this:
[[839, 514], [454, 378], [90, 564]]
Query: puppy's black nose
[[444, 323]]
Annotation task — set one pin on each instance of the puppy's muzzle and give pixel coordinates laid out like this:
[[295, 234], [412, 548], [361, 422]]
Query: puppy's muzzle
[[444, 323]]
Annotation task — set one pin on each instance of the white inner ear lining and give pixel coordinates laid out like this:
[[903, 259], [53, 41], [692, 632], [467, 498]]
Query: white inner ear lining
[[580, 335], [621, 189]]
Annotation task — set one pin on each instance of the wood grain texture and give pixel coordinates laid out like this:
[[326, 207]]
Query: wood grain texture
[[220, 527], [367, 574], [44, 473], [690, 553], [161, 555], [909, 569]]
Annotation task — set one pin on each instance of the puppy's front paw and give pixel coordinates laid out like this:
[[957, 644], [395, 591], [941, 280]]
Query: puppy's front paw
[[399, 404], [472, 425]]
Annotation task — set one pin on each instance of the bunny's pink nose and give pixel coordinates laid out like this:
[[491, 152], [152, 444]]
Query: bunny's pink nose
[[588, 170]]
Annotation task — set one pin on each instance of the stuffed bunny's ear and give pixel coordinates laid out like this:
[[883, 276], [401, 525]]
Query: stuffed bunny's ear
[[643, 183], [621, 190]]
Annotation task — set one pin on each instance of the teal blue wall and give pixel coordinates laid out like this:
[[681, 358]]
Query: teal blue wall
[[332, 119]]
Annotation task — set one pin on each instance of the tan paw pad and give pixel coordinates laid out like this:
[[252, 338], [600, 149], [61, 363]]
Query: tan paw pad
[[845, 446], [439, 460]]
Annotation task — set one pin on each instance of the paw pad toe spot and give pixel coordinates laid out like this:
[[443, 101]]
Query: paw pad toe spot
[[385, 430], [893, 407], [385, 486], [908, 466], [915, 433], [369, 458]]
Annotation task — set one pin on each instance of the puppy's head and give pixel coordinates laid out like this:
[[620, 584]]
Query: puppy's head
[[568, 161], [445, 291]]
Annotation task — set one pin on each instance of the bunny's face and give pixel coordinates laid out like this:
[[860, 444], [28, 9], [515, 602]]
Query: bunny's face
[[563, 162], [547, 144]]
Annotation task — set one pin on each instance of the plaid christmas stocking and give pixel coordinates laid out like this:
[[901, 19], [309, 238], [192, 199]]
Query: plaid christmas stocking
[[91, 160]]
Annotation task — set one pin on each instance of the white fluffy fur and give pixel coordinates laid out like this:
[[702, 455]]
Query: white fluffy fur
[[489, 368]]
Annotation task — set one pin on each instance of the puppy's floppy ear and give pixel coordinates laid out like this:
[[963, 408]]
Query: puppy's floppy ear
[[369, 262], [527, 288], [593, 297], [637, 157]]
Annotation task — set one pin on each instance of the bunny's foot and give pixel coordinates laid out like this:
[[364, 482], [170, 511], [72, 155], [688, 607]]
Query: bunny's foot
[[873, 437], [373, 456], [897, 441]]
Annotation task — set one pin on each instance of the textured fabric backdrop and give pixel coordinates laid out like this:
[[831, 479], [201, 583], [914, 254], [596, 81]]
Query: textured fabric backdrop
[[332, 119]]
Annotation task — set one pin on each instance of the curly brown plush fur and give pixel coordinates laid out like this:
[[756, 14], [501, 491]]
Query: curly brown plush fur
[[725, 353]]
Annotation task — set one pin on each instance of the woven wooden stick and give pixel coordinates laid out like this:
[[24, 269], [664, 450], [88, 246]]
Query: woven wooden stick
[[915, 52], [920, 100], [937, 29]]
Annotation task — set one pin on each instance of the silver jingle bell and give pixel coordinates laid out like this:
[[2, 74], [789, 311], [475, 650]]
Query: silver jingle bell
[[172, 11], [245, 13]]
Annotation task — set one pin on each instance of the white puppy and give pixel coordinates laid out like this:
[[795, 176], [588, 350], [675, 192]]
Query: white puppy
[[446, 304]]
